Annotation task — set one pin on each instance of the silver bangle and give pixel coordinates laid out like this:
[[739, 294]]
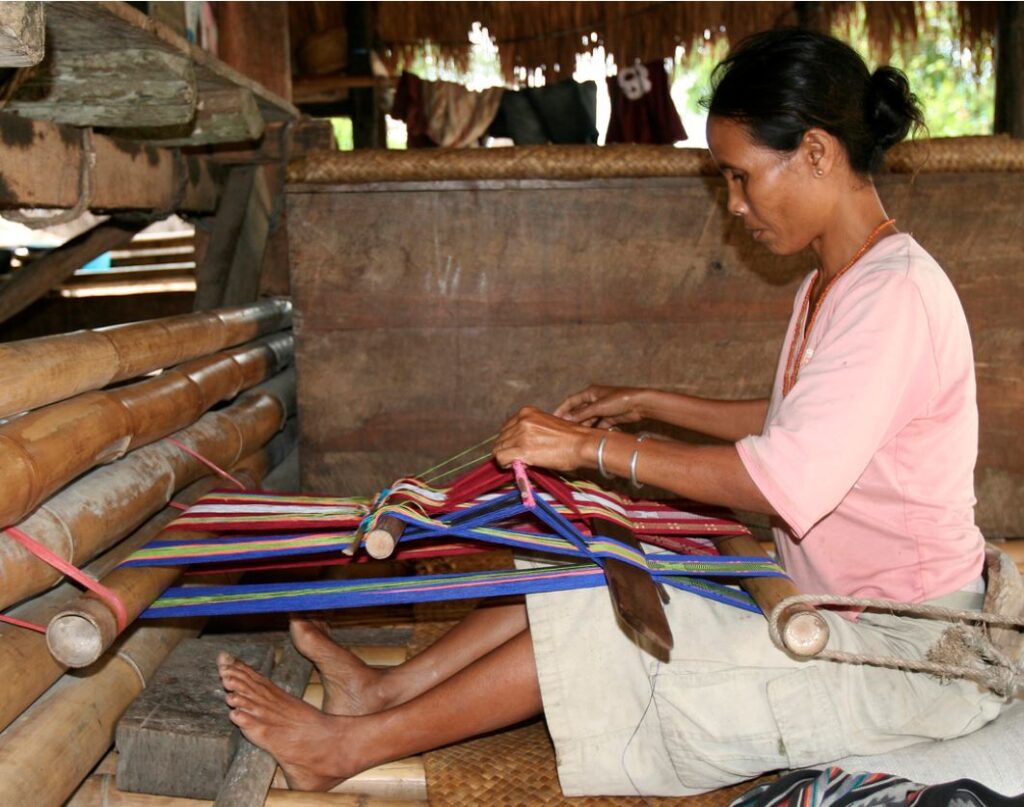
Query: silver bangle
[[632, 463], [600, 457]]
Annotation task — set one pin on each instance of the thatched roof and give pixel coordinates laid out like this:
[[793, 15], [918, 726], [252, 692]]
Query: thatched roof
[[534, 35]]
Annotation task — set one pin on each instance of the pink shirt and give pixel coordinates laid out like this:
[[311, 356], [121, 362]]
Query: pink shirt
[[870, 458]]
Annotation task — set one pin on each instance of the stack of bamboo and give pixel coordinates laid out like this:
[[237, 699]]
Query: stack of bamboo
[[88, 474]]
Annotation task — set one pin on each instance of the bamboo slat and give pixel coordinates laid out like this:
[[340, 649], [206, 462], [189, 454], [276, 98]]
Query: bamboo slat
[[106, 504], [49, 447], [53, 368]]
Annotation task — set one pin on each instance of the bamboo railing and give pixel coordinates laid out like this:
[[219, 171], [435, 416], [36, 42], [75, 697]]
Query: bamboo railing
[[88, 473]]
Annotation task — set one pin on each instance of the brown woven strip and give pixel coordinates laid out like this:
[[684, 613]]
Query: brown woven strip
[[950, 154], [517, 767]]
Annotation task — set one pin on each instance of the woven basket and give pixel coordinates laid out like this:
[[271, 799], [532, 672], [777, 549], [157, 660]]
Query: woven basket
[[951, 154]]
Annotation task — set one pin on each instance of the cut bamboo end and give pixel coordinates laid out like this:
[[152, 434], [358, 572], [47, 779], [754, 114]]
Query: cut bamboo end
[[81, 634], [381, 540], [803, 630]]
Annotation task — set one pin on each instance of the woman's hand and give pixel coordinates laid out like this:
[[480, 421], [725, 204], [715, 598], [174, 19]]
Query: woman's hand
[[542, 440], [603, 407]]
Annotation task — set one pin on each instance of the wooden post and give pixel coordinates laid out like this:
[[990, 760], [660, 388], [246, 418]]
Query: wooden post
[[33, 281], [253, 38], [1009, 111], [234, 256], [810, 15], [367, 123]]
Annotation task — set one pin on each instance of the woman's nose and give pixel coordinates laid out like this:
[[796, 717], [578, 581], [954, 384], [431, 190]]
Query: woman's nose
[[737, 206]]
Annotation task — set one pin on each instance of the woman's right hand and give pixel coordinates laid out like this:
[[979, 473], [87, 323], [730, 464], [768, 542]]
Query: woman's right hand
[[603, 407]]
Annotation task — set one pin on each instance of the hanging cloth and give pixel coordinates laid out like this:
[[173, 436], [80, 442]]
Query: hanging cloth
[[642, 108], [441, 113]]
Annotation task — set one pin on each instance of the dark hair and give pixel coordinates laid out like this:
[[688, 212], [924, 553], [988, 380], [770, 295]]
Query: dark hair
[[782, 82]]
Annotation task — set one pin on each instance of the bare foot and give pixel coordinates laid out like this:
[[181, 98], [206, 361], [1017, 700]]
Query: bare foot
[[350, 686], [305, 742]]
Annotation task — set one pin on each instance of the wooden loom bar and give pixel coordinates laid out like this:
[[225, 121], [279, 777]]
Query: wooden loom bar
[[803, 630], [103, 506], [45, 449], [53, 368]]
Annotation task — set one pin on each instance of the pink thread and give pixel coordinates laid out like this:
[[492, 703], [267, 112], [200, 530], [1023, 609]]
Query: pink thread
[[523, 482], [178, 506], [57, 562], [21, 623], [212, 466]]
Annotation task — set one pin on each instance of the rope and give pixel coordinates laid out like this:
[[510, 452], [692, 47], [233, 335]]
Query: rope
[[208, 463], [40, 220], [1003, 675]]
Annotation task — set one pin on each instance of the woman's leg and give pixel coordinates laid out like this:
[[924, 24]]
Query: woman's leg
[[317, 750], [353, 688]]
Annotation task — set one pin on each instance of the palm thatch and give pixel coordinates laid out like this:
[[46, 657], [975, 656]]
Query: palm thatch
[[548, 36]]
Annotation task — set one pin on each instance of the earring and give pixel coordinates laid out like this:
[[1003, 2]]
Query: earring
[[819, 172]]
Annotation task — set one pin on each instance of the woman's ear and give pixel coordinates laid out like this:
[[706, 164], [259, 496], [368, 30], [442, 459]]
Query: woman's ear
[[819, 149]]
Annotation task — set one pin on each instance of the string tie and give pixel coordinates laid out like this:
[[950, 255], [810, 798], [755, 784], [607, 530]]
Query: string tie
[[208, 463], [48, 556]]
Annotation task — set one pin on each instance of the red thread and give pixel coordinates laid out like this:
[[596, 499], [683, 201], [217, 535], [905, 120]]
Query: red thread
[[178, 506], [57, 562], [211, 465], [21, 623]]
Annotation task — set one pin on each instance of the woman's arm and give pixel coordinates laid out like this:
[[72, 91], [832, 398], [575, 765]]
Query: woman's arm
[[711, 474], [610, 406]]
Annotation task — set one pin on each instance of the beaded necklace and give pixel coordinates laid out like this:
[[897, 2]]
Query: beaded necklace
[[793, 362]]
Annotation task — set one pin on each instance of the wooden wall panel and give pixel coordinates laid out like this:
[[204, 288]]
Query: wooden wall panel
[[428, 312]]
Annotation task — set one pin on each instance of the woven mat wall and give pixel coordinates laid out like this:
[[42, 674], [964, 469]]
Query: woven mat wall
[[939, 155]]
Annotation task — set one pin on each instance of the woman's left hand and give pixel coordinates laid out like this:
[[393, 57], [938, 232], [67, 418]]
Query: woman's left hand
[[542, 440]]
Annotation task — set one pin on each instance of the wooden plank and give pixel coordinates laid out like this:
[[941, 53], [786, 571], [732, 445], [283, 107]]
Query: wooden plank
[[114, 88], [281, 143], [33, 281], [22, 34], [40, 166], [115, 26], [252, 770], [221, 116], [176, 739]]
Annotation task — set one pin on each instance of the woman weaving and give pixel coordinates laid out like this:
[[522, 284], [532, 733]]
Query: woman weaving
[[863, 454]]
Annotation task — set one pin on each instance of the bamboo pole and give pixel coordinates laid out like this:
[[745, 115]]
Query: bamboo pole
[[53, 368], [27, 667], [803, 630], [99, 509], [47, 752], [45, 449]]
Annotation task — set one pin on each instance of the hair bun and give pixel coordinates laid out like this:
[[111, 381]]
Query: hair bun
[[892, 109]]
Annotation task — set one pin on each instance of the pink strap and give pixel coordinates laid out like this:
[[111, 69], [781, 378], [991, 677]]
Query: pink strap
[[21, 623], [212, 466], [48, 556]]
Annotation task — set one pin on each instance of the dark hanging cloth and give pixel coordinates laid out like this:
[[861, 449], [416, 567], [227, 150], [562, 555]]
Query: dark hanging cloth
[[642, 108], [408, 106], [565, 112], [441, 113]]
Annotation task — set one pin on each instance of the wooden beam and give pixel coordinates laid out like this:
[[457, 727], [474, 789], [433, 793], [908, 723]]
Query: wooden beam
[[22, 34], [231, 265], [1009, 111], [230, 115], [106, 87], [281, 143], [41, 166], [33, 281]]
